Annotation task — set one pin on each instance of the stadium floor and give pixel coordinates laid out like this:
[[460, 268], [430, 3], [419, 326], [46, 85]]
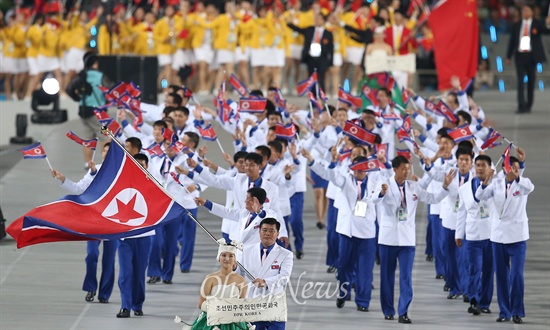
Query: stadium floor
[[40, 286]]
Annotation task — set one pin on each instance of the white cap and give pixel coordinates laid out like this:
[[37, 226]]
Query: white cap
[[224, 247]]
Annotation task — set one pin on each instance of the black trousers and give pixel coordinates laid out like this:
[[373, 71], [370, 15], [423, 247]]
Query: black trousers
[[525, 66], [321, 67]]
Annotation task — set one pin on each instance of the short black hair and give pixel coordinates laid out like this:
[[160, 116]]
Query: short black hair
[[455, 97], [466, 145], [269, 106], [398, 160], [385, 90], [275, 113], [238, 155], [377, 138], [464, 151], [174, 88], [167, 110], [512, 160], [182, 109], [193, 137], [368, 112], [255, 158], [276, 145], [259, 193], [142, 157], [359, 159], [134, 142], [447, 136], [466, 116], [256, 92], [160, 123], [107, 144], [272, 89], [363, 151], [442, 131], [484, 158], [177, 98], [264, 151], [168, 120], [271, 221], [331, 109], [284, 142]]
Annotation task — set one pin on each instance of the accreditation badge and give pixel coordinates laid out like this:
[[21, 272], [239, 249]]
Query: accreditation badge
[[232, 37], [401, 214], [483, 211], [457, 203], [525, 43], [360, 209]]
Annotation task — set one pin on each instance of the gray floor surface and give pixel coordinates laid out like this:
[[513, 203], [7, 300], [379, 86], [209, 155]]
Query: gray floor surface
[[40, 286]]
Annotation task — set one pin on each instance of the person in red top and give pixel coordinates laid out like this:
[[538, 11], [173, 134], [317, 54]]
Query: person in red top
[[402, 41]]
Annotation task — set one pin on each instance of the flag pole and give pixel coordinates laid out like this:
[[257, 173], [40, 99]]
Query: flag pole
[[49, 164], [93, 153], [220, 145], [510, 142], [154, 180]]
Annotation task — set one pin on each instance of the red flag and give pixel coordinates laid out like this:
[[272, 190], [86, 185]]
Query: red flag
[[34, 151], [303, 86], [405, 153], [370, 94], [92, 144], [315, 102], [154, 150], [238, 85], [367, 165], [286, 132], [407, 124], [461, 133], [455, 27], [207, 132], [446, 112], [179, 147], [358, 133], [349, 99], [344, 154], [252, 105], [491, 140], [121, 201], [506, 160], [169, 135]]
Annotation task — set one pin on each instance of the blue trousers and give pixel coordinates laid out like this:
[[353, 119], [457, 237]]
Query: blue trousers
[[388, 263], [164, 249], [429, 239], [332, 236], [132, 259], [107, 279], [437, 243], [509, 261], [480, 272], [356, 254], [452, 276], [188, 231], [269, 325], [296, 221]]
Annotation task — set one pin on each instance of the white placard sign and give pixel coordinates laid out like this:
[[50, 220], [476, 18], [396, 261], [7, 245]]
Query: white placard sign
[[406, 63], [232, 310]]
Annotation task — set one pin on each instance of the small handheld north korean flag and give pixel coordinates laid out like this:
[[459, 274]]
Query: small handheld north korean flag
[[368, 165], [33, 151], [286, 132], [404, 152], [238, 85], [349, 99], [207, 132], [305, 85], [370, 95], [461, 133], [491, 140], [154, 150], [169, 135], [359, 134], [506, 159], [92, 144], [252, 105]]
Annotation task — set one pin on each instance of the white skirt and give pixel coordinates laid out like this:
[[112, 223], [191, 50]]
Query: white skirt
[[276, 57], [164, 59], [337, 59], [47, 63], [34, 67], [259, 57], [354, 55], [178, 61], [242, 55], [75, 59], [224, 56], [204, 53], [14, 65], [296, 52]]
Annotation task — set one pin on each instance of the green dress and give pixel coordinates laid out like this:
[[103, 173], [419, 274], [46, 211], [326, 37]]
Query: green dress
[[222, 291]]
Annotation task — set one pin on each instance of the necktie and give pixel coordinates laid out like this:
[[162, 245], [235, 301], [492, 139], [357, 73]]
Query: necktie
[[317, 35], [403, 201], [264, 256], [525, 29], [508, 185], [461, 180], [251, 185], [359, 197], [249, 220], [398, 33]]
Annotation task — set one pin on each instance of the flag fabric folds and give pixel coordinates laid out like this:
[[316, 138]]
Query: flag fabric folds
[[121, 201], [92, 144], [461, 133], [207, 132], [252, 105], [305, 85], [33, 151], [491, 140], [359, 134], [286, 132]]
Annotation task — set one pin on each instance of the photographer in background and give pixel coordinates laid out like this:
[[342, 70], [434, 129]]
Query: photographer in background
[[84, 89]]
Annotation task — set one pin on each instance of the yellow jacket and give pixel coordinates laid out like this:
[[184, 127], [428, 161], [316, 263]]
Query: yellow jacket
[[50, 38], [184, 23], [224, 30], [79, 34], [165, 28], [65, 38], [276, 33], [34, 39], [200, 21], [104, 45], [350, 19], [260, 33], [14, 42], [143, 42], [339, 38], [245, 32], [300, 19]]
